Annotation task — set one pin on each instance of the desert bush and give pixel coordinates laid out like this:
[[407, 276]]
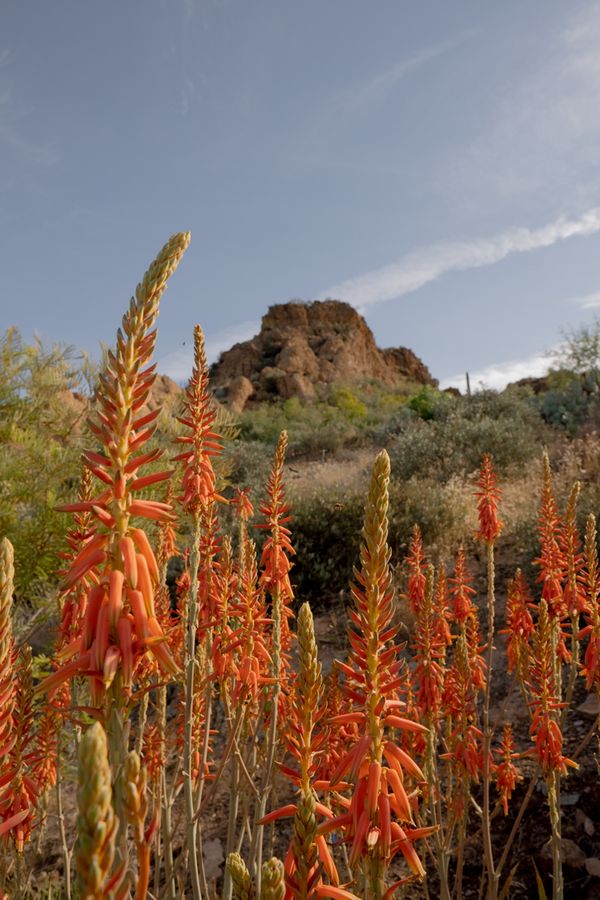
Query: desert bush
[[347, 401], [428, 403], [326, 537], [572, 401], [43, 407], [456, 433], [327, 530], [312, 427], [345, 416]]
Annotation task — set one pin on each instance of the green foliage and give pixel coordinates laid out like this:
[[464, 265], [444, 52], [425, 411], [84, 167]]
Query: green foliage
[[427, 402], [580, 349], [326, 534], [346, 417], [41, 436], [572, 401], [326, 530], [346, 401], [312, 427], [461, 430]]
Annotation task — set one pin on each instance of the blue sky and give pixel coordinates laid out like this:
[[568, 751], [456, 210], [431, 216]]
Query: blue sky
[[436, 164]]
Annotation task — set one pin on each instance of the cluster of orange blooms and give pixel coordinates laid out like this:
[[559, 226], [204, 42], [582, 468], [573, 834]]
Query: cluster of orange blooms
[[383, 755]]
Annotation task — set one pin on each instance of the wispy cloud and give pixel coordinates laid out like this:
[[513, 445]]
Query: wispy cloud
[[362, 96], [498, 375], [427, 264], [16, 139], [544, 133], [178, 364], [588, 301], [318, 141]]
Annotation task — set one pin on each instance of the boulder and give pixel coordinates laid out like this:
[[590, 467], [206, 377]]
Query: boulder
[[302, 348], [296, 385], [240, 389]]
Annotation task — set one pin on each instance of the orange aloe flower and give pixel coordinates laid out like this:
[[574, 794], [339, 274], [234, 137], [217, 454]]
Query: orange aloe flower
[[416, 564], [519, 625], [19, 792], [199, 480], [247, 644], [442, 611], [275, 565], [551, 561], [488, 493], [461, 590], [591, 661], [574, 595], [507, 775], [465, 748], [429, 653], [545, 729], [242, 504], [378, 822], [308, 861], [120, 623], [7, 649]]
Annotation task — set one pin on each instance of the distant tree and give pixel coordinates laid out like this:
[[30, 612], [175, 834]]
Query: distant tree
[[580, 349], [42, 431]]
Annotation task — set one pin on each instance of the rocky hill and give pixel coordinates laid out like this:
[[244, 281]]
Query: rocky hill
[[303, 347]]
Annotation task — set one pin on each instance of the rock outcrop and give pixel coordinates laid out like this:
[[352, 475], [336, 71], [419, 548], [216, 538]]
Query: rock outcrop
[[302, 348], [164, 393]]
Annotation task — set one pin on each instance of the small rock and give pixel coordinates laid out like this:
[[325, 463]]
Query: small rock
[[584, 822], [590, 706], [213, 858], [592, 866], [571, 855], [569, 799]]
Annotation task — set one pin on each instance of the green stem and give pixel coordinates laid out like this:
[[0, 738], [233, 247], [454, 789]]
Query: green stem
[[167, 833], [142, 715], [118, 746], [61, 824], [554, 803], [256, 849], [441, 856], [233, 812], [492, 890], [516, 824], [190, 671]]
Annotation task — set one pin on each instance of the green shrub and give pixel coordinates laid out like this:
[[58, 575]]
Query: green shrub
[[461, 430], [326, 536], [572, 401], [311, 427], [346, 401], [355, 416], [326, 531], [42, 432], [428, 402]]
